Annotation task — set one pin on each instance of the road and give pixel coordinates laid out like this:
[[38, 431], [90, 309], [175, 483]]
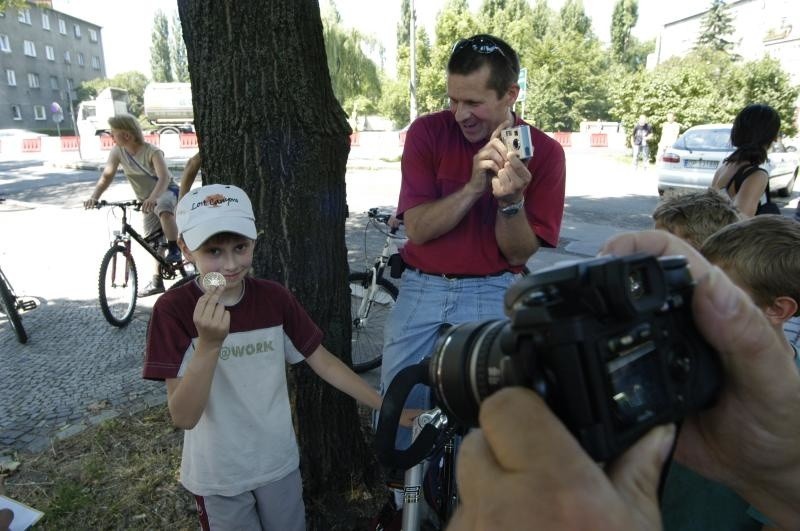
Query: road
[[76, 370]]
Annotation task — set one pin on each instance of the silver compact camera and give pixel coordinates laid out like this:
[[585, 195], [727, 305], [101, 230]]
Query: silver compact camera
[[518, 140]]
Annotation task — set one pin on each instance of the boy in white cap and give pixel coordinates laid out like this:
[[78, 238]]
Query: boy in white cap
[[221, 348]]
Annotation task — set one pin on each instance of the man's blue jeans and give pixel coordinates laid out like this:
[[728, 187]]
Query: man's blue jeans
[[426, 302]]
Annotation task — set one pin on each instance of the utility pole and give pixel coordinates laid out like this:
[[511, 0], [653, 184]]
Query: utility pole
[[412, 83]]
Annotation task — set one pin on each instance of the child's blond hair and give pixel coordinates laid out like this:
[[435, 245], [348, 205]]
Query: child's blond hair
[[763, 252], [695, 216], [129, 124]]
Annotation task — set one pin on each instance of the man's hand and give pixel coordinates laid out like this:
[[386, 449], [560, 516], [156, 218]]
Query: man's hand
[[749, 439], [90, 203], [488, 162], [509, 185], [524, 470], [211, 318]]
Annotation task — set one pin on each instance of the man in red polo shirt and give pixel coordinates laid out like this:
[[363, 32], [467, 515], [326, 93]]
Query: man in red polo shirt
[[474, 212]]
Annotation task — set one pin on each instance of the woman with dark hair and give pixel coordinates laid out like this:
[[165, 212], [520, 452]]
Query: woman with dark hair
[[754, 130]]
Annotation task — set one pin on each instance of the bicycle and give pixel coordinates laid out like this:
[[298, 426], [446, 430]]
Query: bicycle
[[118, 282], [429, 462], [372, 297], [11, 305]]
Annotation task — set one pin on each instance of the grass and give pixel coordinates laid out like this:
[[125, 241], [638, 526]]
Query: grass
[[123, 474]]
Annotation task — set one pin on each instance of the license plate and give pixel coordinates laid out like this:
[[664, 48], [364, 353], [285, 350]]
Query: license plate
[[702, 164]]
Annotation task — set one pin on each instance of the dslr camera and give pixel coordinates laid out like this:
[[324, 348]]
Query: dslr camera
[[518, 140], [609, 343]]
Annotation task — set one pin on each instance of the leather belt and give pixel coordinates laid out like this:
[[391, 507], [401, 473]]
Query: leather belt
[[456, 276]]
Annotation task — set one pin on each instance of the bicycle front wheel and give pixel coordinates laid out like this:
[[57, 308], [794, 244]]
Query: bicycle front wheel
[[9, 308], [368, 318], [118, 285]]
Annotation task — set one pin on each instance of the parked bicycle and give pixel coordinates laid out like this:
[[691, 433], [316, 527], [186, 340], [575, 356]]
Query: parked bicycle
[[118, 282], [372, 296], [11, 306]]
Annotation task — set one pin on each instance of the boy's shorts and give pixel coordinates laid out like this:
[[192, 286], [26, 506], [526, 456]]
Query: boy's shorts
[[276, 506], [167, 202]]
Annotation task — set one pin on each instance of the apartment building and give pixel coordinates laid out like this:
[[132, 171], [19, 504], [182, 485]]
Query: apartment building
[[44, 56]]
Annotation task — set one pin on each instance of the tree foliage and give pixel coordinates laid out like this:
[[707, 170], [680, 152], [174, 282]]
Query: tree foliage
[[160, 62], [625, 48], [354, 76], [177, 51], [716, 28], [572, 77], [5, 5], [706, 86], [574, 18]]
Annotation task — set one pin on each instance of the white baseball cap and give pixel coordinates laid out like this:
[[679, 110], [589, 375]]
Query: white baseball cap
[[211, 209]]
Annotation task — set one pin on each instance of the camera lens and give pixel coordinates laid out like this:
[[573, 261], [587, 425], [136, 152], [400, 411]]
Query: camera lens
[[515, 143], [466, 367]]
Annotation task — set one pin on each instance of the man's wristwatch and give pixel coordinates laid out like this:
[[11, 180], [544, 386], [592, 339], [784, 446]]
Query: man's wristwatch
[[512, 209]]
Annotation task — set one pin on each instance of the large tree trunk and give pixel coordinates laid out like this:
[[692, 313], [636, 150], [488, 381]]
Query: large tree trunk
[[267, 121]]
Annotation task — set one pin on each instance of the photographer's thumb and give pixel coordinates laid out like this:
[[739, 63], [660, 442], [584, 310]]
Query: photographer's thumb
[[636, 474]]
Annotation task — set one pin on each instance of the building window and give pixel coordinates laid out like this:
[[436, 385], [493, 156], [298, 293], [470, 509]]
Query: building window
[[95, 62], [45, 21], [38, 112], [50, 52], [92, 35], [24, 16], [5, 45], [33, 80], [30, 49], [16, 112], [77, 31], [81, 62], [11, 77], [67, 57], [54, 82], [62, 26]]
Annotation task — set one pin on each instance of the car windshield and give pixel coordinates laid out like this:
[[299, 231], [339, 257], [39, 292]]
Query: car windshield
[[705, 140]]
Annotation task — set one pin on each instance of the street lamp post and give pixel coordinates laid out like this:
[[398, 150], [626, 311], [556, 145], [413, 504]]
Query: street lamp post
[[413, 60]]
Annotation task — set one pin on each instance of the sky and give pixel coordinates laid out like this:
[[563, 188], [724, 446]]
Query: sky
[[126, 28]]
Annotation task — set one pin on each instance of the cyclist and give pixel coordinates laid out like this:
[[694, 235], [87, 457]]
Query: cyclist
[[146, 170]]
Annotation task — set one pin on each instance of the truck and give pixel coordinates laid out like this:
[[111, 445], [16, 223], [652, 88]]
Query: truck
[[168, 106], [93, 114]]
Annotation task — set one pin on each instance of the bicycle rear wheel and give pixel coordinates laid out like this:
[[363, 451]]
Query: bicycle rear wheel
[[368, 319], [8, 305], [118, 285]]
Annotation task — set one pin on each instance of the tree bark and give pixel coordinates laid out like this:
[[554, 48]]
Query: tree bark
[[267, 121]]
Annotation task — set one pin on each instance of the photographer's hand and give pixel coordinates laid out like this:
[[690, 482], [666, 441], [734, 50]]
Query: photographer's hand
[[749, 439], [524, 470]]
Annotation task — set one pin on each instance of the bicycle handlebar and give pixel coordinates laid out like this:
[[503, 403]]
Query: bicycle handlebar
[[135, 203], [383, 217], [389, 419]]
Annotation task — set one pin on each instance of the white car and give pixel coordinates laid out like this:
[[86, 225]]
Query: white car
[[691, 162]]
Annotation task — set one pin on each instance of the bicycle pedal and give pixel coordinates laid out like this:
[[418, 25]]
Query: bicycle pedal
[[28, 305]]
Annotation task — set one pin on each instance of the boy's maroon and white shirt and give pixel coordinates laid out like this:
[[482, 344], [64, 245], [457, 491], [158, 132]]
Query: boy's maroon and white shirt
[[245, 436]]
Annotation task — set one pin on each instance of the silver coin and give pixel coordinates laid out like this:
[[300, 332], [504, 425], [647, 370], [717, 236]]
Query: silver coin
[[213, 279]]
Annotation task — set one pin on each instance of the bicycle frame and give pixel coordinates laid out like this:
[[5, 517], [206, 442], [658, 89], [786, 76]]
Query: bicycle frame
[[123, 236], [413, 491]]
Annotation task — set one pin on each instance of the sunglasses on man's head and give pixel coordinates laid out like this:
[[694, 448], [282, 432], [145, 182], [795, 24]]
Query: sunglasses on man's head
[[480, 44]]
